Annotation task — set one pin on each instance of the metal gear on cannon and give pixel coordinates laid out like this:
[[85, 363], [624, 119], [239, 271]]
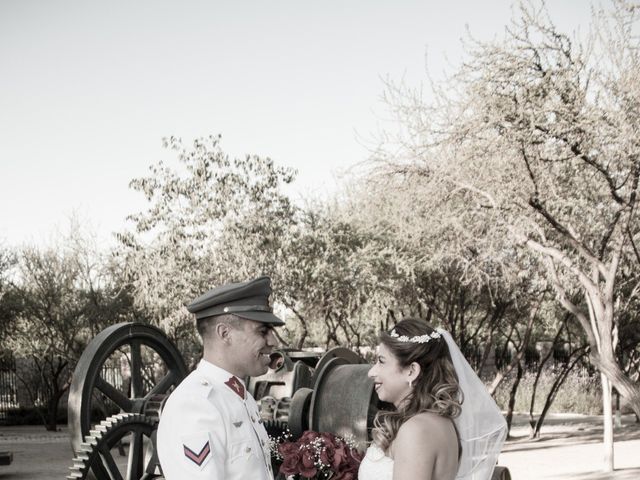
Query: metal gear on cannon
[[101, 452]]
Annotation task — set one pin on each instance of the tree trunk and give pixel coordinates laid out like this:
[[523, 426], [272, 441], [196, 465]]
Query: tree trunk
[[629, 391], [517, 359], [303, 323], [607, 407], [512, 397], [535, 431], [560, 379], [52, 411]]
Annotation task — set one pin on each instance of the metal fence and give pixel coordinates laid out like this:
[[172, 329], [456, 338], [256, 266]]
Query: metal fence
[[13, 395], [8, 385]]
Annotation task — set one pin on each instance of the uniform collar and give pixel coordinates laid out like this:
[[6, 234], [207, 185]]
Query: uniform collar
[[216, 374]]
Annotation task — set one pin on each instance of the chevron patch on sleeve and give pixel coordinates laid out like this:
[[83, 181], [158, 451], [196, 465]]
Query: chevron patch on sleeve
[[197, 458], [197, 449]]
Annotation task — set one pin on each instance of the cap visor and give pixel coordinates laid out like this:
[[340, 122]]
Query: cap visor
[[263, 317]]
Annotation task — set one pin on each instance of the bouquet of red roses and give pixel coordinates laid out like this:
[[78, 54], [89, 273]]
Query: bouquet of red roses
[[319, 456]]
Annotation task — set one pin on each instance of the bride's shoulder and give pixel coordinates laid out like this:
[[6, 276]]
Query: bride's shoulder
[[427, 418], [418, 435], [424, 425]]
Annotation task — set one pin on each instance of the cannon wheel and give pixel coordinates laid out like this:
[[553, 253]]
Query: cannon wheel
[[88, 381], [299, 412], [337, 352], [501, 473]]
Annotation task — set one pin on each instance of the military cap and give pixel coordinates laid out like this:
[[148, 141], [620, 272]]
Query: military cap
[[248, 300]]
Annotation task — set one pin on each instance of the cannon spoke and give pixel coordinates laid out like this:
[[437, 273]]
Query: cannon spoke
[[163, 385], [136, 370], [114, 394], [135, 465], [108, 465]]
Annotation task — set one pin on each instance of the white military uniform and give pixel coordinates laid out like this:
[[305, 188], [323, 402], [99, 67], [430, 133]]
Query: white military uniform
[[210, 428]]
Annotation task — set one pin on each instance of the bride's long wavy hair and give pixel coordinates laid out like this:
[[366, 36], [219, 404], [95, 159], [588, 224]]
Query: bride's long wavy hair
[[435, 390]]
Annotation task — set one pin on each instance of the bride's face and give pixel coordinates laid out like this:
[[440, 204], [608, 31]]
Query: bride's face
[[390, 379]]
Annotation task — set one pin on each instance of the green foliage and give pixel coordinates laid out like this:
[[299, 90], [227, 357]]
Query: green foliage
[[339, 277], [8, 301], [211, 220], [61, 296], [51, 307], [526, 159]]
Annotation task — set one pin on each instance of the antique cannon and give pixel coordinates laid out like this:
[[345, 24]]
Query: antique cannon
[[113, 420]]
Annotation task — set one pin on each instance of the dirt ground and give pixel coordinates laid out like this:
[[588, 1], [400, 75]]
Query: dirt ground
[[570, 448]]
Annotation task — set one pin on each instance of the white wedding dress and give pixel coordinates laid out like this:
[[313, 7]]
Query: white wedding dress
[[375, 465]]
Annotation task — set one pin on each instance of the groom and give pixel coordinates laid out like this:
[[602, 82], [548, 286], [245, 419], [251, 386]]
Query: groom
[[210, 426]]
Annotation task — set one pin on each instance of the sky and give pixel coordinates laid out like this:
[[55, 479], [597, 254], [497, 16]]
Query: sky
[[88, 90]]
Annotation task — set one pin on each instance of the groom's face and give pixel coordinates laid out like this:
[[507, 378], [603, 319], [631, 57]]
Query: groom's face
[[390, 379], [252, 344]]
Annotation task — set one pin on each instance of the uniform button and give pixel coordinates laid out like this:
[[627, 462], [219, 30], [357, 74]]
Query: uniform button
[[248, 449], [263, 443], [204, 382], [253, 419]]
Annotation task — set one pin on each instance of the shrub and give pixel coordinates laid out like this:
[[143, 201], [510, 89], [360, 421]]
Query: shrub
[[29, 416], [580, 393]]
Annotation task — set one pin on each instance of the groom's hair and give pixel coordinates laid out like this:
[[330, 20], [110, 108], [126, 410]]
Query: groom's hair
[[205, 326]]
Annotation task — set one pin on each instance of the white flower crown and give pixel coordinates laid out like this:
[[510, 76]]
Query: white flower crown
[[417, 339]]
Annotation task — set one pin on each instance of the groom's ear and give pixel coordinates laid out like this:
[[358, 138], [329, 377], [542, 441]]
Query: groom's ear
[[223, 331]]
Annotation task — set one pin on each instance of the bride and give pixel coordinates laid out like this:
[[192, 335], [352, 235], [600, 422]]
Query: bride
[[445, 425]]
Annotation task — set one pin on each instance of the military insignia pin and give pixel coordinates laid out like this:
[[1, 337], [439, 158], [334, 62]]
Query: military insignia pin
[[234, 384]]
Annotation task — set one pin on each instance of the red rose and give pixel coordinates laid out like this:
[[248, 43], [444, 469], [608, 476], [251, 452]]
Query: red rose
[[355, 457], [339, 456], [291, 458], [345, 476], [291, 464], [329, 439], [328, 451], [287, 448], [308, 465], [308, 437], [348, 469]]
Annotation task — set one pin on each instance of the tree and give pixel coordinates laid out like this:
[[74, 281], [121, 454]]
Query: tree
[[572, 354], [337, 277], [49, 326], [7, 302], [534, 137], [61, 299], [211, 220]]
